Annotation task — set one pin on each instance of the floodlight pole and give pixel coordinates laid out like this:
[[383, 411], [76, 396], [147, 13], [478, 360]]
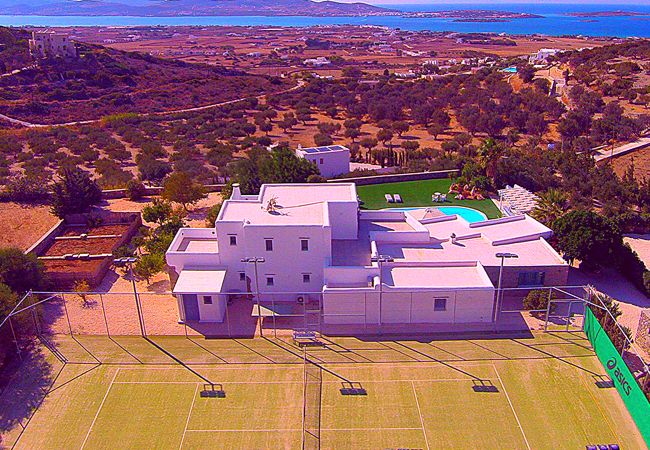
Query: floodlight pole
[[503, 257], [255, 261]]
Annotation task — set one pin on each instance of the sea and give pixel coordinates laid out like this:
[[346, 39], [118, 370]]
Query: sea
[[555, 20]]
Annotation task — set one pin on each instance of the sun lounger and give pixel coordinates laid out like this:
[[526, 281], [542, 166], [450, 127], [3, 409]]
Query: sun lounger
[[443, 197], [435, 198], [398, 198], [389, 199]]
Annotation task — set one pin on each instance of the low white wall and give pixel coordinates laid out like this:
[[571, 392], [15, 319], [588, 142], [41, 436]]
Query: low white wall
[[403, 307]]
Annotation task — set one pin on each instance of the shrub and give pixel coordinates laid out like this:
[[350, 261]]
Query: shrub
[[537, 300], [75, 193], [19, 271], [149, 265], [135, 190], [629, 264], [212, 215], [24, 189], [179, 187], [587, 236]]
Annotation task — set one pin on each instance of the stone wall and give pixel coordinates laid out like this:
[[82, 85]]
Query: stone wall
[[111, 194], [396, 178]]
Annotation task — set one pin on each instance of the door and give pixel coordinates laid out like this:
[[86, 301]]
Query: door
[[191, 307]]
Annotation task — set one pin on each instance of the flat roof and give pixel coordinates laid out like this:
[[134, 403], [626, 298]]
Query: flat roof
[[508, 228], [324, 149], [534, 252], [444, 277], [198, 245], [297, 204], [200, 281]]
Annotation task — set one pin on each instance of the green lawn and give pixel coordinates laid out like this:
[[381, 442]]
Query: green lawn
[[420, 394], [418, 193]]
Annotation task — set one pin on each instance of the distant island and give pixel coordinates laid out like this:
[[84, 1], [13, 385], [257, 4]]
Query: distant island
[[480, 20], [606, 14], [473, 15], [165, 8], [189, 8]]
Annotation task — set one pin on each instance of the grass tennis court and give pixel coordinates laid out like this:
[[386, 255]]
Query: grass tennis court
[[536, 392], [418, 193]]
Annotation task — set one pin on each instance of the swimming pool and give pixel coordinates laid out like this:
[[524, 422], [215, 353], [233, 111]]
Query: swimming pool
[[510, 70], [469, 214]]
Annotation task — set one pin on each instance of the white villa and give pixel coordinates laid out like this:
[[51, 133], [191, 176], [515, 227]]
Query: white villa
[[312, 243], [331, 160]]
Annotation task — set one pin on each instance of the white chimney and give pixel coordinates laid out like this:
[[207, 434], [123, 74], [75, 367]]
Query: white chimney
[[236, 192]]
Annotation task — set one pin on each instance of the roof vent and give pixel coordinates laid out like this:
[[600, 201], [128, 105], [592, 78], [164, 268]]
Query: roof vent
[[453, 238]]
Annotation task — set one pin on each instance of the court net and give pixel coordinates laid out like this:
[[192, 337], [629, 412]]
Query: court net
[[311, 407]]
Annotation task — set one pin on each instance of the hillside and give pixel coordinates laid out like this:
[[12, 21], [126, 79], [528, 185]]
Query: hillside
[[162, 8], [105, 81]]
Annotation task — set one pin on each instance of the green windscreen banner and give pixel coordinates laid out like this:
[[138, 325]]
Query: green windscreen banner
[[628, 388]]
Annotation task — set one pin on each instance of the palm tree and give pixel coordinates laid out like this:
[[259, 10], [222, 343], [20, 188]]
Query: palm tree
[[551, 205], [489, 155]]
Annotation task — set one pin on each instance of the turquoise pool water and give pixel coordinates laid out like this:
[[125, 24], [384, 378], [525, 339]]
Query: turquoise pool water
[[510, 70], [469, 214]]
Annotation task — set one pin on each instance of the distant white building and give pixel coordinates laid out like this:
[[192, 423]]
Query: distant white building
[[332, 161], [317, 62], [49, 44], [542, 55], [299, 243]]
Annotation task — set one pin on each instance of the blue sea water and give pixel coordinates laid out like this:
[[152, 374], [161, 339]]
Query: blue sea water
[[555, 20]]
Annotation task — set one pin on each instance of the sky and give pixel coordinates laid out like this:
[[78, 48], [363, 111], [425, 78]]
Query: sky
[[623, 3]]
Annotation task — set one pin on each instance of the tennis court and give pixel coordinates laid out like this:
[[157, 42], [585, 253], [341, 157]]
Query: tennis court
[[542, 391]]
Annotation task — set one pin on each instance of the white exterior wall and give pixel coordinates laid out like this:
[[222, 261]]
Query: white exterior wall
[[214, 312], [351, 306], [231, 256], [403, 307], [330, 164], [344, 219], [207, 313], [287, 262]]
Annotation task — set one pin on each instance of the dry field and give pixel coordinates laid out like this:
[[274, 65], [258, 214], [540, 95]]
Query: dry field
[[206, 45], [21, 225]]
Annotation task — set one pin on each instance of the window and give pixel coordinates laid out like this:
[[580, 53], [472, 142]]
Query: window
[[269, 244], [531, 278], [304, 245], [440, 304], [321, 161], [233, 239], [270, 281], [207, 299], [242, 276], [306, 277]]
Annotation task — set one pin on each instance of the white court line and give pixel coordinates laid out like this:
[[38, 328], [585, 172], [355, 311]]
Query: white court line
[[415, 394], [220, 366], [189, 414], [371, 429], [400, 380], [511, 407], [262, 430], [101, 405]]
